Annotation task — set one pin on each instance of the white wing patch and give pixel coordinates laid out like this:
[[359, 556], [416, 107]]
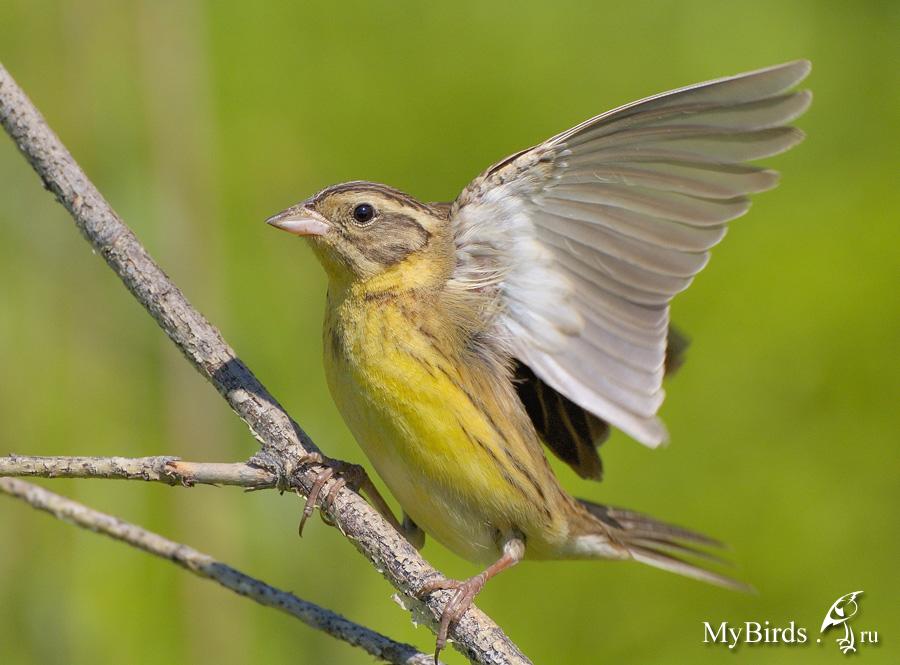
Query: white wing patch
[[588, 236], [498, 246]]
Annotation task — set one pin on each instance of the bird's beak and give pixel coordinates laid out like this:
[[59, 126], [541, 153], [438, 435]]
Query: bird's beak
[[301, 221]]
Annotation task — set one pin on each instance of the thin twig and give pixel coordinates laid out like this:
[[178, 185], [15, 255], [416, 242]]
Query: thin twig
[[285, 446], [204, 565], [169, 470]]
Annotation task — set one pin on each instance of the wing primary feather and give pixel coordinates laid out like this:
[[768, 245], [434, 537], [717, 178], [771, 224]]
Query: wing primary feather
[[587, 370], [646, 357], [603, 298], [596, 360], [749, 116], [640, 226], [646, 429], [655, 257], [582, 200], [728, 91], [688, 146], [716, 182], [630, 281], [607, 321]]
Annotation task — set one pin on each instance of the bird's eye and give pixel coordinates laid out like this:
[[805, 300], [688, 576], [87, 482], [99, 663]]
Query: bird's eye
[[364, 213]]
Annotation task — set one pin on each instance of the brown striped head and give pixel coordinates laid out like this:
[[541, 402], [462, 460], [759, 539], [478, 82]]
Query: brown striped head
[[360, 229]]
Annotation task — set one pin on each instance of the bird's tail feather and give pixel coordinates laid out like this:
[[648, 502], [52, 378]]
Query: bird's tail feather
[[662, 545]]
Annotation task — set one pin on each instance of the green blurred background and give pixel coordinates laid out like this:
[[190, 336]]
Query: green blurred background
[[199, 119]]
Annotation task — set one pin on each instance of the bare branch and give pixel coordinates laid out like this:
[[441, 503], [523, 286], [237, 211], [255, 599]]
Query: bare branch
[[285, 446], [169, 470], [204, 565]]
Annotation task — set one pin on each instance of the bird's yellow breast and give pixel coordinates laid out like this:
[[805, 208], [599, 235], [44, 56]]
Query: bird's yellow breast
[[459, 466]]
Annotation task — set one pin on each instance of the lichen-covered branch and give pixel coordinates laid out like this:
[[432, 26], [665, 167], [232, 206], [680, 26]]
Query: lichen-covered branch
[[285, 446], [204, 565]]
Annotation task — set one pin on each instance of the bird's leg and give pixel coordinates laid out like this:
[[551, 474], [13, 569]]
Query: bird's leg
[[466, 590], [412, 532]]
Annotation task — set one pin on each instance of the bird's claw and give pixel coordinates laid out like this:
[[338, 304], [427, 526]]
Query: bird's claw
[[348, 475], [461, 600]]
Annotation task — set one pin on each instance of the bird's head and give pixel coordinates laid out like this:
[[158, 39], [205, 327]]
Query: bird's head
[[362, 230], [843, 609]]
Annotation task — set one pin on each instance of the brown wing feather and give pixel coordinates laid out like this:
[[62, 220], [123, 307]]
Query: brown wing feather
[[676, 346], [572, 433]]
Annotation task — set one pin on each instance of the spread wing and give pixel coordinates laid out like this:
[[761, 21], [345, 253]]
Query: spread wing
[[586, 237]]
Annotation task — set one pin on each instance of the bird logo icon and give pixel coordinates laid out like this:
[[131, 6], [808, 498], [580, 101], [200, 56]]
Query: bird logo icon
[[843, 609]]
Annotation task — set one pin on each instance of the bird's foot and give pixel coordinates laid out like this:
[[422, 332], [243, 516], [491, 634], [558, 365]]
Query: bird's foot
[[461, 600], [343, 474], [465, 591]]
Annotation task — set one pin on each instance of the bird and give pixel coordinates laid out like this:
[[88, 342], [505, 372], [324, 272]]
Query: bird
[[461, 339], [840, 612]]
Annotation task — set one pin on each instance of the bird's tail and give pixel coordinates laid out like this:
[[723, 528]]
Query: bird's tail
[[625, 534]]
